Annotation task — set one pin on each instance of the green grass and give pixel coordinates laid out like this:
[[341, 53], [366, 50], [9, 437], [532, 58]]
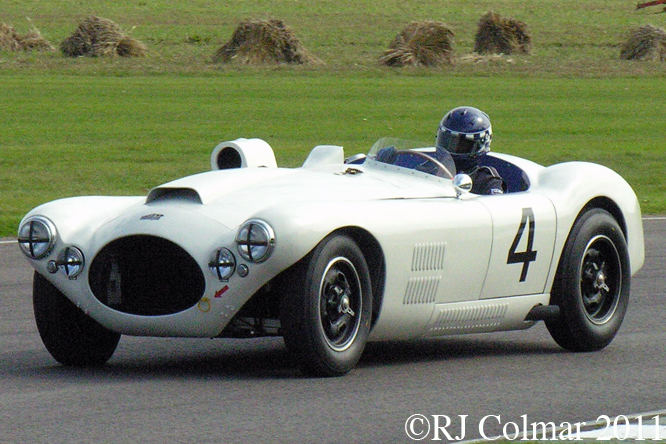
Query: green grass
[[570, 37], [112, 126]]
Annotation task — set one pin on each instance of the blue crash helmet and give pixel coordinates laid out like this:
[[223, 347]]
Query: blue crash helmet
[[464, 132]]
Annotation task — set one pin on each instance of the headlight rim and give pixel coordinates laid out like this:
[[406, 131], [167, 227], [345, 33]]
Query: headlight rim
[[246, 246], [52, 234], [65, 264], [216, 264]]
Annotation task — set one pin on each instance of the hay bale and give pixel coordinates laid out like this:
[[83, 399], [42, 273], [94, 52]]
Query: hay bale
[[645, 43], [10, 40], [33, 41], [427, 43], [263, 41], [498, 35], [97, 36], [130, 47]]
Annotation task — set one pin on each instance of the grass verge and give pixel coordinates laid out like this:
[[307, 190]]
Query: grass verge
[[74, 135], [74, 126]]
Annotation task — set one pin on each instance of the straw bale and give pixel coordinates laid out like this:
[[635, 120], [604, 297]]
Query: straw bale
[[427, 43], [498, 35], [130, 47], [97, 36], [263, 41], [645, 43], [33, 41], [9, 38]]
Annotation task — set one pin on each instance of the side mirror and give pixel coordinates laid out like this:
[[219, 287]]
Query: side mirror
[[462, 183]]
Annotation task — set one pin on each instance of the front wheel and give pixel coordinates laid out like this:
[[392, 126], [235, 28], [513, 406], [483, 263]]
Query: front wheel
[[592, 284], [72, 337], [327, 309]]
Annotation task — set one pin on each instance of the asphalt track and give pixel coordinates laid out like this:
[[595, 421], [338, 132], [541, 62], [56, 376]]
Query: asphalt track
[[247, 391]]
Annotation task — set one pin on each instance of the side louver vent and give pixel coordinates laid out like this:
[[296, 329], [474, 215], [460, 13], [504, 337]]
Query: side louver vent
[[463, 318], [428, 257], [421, 290]]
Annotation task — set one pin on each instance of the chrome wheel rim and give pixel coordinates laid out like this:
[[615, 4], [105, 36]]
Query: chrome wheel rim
[[600, 279], [340, 303]]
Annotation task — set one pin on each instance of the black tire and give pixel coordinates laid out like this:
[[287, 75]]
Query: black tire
[[71, 337], [327, 309], [592, 284]]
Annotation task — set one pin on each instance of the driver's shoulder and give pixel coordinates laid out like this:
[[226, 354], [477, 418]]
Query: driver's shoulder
[[485, 170]]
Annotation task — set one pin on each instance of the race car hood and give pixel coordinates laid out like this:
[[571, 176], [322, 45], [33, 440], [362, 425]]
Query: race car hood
[[231, 196]]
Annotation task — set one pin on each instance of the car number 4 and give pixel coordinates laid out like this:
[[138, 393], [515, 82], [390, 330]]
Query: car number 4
[[529, 255]]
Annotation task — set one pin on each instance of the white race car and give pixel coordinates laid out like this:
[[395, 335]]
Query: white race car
[[336, 253]]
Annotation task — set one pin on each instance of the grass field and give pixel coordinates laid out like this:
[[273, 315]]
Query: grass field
[[117, 126]]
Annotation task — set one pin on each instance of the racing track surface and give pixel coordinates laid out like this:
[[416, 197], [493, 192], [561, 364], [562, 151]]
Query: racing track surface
[[228, 391]]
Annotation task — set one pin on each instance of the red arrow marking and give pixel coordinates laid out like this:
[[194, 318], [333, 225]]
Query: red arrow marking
[[219, 293]]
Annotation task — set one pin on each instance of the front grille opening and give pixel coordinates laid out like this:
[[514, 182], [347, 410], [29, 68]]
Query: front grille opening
[[147, 276]]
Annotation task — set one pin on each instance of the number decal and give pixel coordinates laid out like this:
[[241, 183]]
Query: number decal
[[529, 255]]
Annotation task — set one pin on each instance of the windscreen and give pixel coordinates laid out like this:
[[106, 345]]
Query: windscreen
[[414, 156]]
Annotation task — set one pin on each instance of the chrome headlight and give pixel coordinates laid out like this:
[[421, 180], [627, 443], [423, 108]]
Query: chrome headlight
[[71, 261], [37, 236], [255, 240], [223, 264]]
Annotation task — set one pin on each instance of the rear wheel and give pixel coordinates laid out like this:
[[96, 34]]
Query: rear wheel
[[68, 334], [592, 284], [326, 313]]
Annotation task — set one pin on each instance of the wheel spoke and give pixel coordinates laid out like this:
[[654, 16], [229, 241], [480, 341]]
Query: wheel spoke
[[334, 329], [342, 280], [590, 271], [592, 300]]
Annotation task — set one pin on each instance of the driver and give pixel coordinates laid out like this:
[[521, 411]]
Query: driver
[[465, 132]]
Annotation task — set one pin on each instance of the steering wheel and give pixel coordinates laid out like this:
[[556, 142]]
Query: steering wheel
[[439, 169]]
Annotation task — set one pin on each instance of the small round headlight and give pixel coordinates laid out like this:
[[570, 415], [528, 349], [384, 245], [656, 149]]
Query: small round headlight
[[255, 240], [71, 261], [223, 264], [36, 237]]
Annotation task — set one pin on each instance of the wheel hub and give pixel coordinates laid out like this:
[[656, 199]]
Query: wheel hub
[[339, 299], [600, 280], [596, 277], [345, 307]]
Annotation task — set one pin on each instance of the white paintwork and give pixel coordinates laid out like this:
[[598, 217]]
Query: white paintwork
[[507, 212], [446, 268]]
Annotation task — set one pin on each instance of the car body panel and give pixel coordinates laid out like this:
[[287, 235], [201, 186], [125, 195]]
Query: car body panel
[[448, 264], [522, 223]]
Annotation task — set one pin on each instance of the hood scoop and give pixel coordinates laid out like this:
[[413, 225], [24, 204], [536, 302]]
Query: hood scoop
[[174, 194]]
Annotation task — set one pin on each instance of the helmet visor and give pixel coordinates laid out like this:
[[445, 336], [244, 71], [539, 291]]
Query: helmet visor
[[457, 143], [463, 143]]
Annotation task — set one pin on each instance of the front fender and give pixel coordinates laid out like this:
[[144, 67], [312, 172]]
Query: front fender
[[79, 218]]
